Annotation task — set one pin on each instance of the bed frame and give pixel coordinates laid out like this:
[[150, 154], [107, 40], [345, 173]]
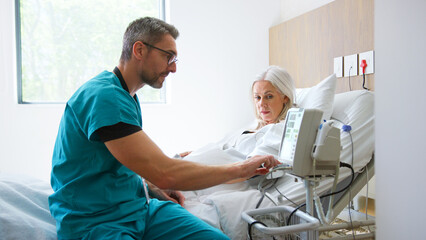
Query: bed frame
[[360, 181]]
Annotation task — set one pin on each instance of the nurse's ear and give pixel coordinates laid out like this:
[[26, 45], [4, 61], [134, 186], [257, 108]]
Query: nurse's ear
[[139, 50]]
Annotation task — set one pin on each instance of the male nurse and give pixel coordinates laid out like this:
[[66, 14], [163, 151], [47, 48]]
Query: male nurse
[[110, 180]]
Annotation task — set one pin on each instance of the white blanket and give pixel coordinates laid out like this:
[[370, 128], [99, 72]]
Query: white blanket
[[221, 206]]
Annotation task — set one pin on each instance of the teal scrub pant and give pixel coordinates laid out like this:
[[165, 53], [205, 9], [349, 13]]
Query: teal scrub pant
[[164, 220]]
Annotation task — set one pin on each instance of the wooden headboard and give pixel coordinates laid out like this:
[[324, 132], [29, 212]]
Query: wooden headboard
[[307, 45]]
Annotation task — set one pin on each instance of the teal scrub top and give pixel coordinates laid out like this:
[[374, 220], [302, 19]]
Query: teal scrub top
[[90, 185]]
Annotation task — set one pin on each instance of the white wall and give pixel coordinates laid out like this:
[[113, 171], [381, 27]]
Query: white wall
[[400, 37], [222, 47]]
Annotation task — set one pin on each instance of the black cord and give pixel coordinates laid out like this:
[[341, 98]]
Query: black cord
[[363, 82], [294, 211], [342, 164], [260, 200], [250, 226]]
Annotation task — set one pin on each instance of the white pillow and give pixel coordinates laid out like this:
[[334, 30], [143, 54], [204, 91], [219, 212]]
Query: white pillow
[[320, 96], [356, 109]]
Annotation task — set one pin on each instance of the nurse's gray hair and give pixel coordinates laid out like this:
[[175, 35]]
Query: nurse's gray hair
[[283, 82], [146, 29]]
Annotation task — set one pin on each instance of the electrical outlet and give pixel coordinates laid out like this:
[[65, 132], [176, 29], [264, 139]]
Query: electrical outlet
[[369, 58], [350, 65], [338, 66]]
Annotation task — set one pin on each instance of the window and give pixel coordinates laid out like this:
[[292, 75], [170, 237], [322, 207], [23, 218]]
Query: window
[[62, 44]]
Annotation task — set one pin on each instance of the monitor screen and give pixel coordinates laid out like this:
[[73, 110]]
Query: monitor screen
[[298, 138], [290, 136]]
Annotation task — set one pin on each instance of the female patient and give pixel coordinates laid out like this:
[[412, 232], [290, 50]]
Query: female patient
[[273, 94]]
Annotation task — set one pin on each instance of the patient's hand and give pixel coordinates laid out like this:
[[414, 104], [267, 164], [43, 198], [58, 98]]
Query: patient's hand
[[184, 154]]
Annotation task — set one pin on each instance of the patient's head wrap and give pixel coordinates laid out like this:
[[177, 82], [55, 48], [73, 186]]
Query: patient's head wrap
[[283, 82]]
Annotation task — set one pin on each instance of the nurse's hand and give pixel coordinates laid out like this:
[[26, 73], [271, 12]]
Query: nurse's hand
[[175, 196], [257, 165], [166, 195]]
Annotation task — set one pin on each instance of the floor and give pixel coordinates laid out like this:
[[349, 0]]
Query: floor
[[348, 215]]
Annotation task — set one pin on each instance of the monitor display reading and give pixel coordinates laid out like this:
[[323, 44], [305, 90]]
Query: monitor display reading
[[291, 133], [297, 144]]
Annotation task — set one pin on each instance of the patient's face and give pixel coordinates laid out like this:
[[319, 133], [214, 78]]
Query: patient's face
[[268, 100]]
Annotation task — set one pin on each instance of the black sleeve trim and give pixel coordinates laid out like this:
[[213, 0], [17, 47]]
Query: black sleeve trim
[[116, 131]]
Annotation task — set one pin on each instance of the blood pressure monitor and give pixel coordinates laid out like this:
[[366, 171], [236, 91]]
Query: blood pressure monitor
[[306, 138]]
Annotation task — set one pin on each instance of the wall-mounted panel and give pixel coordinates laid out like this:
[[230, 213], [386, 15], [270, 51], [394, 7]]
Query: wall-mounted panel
[[307, 45]]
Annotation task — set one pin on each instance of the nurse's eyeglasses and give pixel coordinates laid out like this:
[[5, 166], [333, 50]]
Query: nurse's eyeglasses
[[172, 57]]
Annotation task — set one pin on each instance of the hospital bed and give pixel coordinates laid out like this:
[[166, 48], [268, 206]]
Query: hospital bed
[[222, 206], [24, 212]]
